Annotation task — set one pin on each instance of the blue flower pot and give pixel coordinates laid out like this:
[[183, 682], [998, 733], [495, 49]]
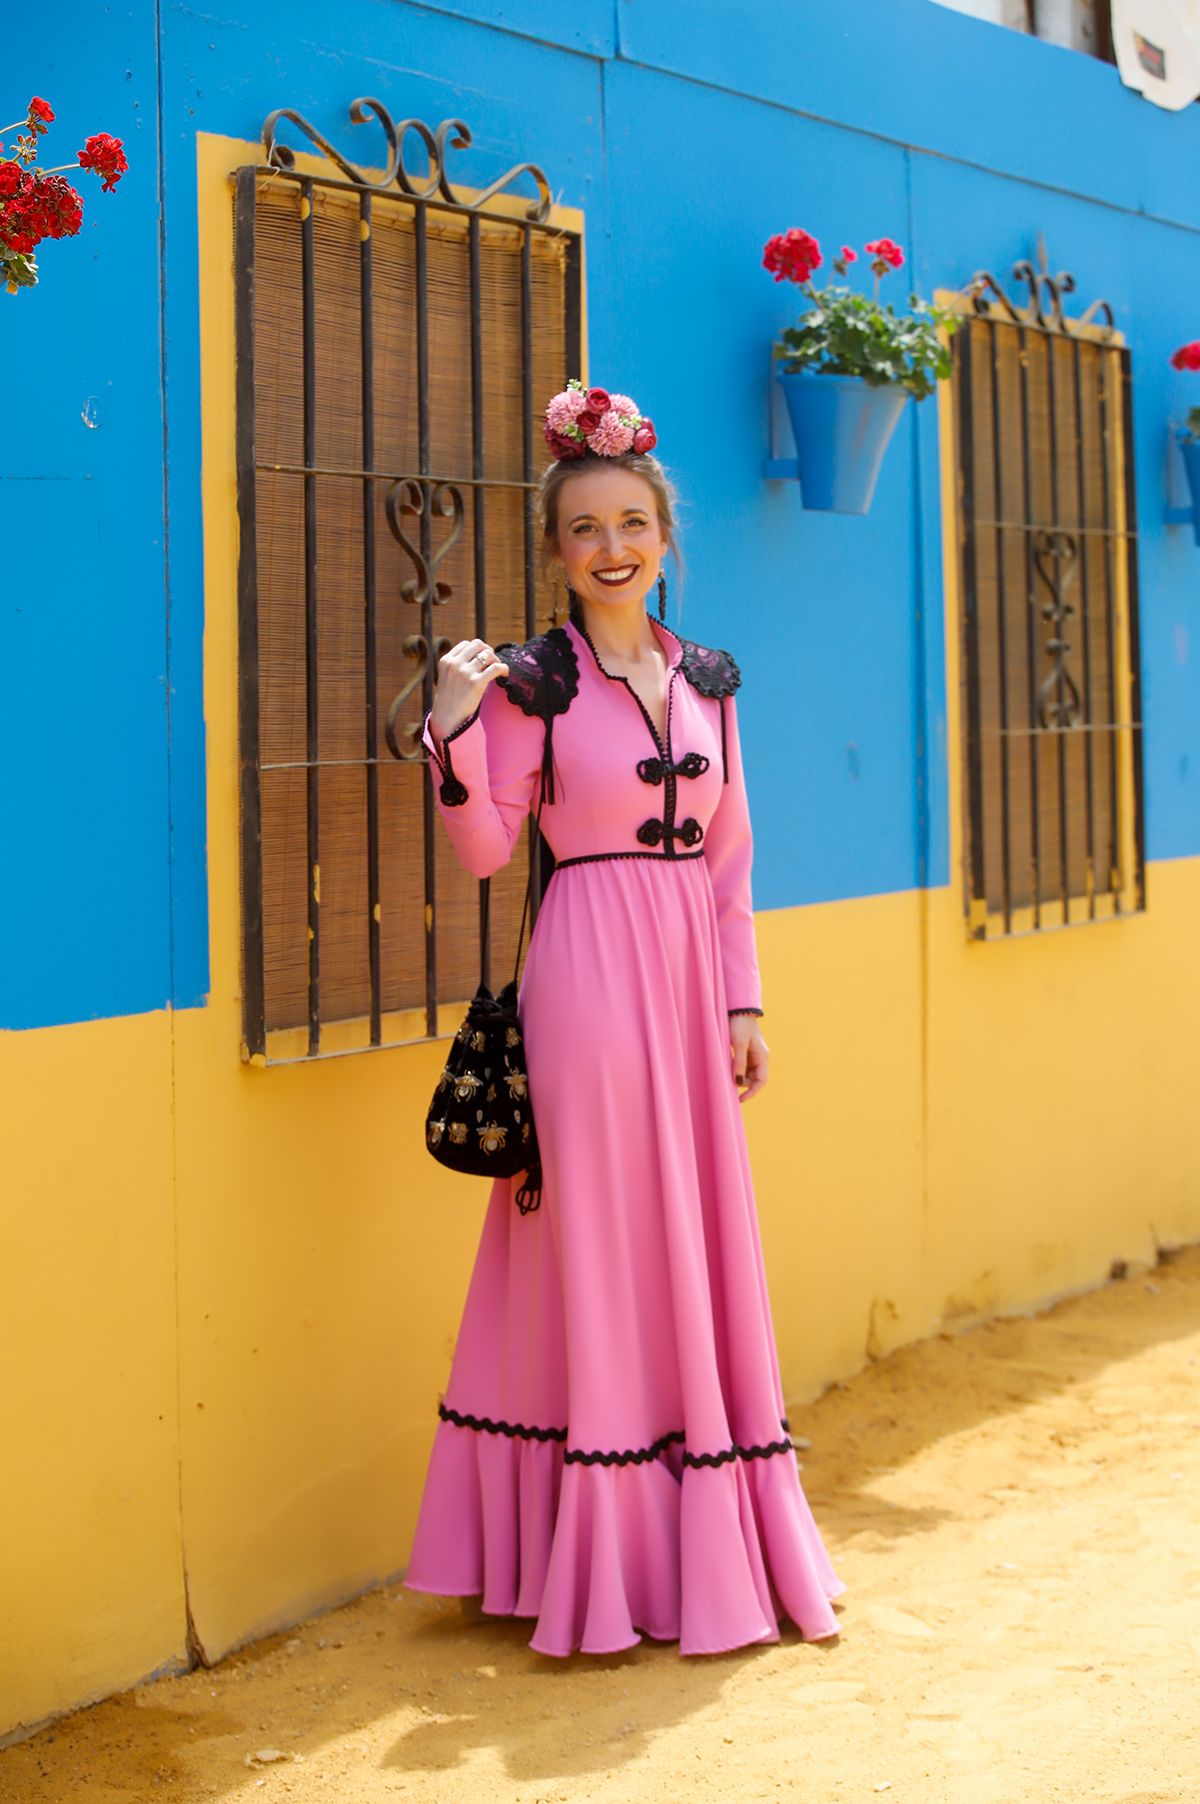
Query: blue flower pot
[[842, 427], [1189, 450]]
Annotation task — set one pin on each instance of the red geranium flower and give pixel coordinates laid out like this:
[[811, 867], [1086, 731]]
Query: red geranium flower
[[886, 251], [106, 155], [1187, 357], [42, 206], [37, 204], [849, 255], [793, 254]]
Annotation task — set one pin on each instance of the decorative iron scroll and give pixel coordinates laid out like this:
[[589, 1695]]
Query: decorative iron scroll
[[422, 498], [1045, 306], [417, 495], [1059, 702], [404, 742], [437, 183]]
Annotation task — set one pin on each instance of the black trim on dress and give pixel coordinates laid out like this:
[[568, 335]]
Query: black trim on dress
[[631, 1456]]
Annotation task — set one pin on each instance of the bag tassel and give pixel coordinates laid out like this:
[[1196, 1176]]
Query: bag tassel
[[529, 1196]]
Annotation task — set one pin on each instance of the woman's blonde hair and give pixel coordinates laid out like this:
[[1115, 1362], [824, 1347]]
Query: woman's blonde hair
[[644, 463]]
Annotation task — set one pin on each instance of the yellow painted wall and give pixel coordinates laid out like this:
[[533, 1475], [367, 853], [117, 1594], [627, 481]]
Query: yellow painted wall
[[91, 1589], [231, 1291]]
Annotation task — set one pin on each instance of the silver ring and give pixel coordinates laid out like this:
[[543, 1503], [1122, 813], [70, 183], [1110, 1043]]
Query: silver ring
[[480, 654]]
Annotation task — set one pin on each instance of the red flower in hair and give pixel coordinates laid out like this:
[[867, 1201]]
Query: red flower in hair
[[563, 447], [1187, 357], [587, 421], [106, 155], [645, 438], [598, 402]]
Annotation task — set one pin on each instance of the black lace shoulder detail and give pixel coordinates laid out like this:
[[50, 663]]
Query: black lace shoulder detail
[[543, 674], [709, 672]]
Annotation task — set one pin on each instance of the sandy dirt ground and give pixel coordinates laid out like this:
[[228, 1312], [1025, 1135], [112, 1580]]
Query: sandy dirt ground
[[1014, 1510]]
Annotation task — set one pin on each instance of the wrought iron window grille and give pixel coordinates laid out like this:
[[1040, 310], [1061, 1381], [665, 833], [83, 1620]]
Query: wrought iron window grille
[[395, 335], [1047, 533]]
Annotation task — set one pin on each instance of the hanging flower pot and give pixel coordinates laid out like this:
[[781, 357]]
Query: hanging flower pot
[[847, 369], [842, 429], [1189, 449], [1187, 357]]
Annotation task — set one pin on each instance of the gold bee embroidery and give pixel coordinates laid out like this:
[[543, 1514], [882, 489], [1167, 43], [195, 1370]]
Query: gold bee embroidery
[[466, 1084], [458, 1133], [435, 1131], [492, 1137], [517, 1085], [512, 1037]]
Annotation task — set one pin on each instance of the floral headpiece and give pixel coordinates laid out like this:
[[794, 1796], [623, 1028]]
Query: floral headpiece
[[581, 419]]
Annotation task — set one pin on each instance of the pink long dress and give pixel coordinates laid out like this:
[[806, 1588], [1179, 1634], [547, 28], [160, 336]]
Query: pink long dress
[[612, 1454]]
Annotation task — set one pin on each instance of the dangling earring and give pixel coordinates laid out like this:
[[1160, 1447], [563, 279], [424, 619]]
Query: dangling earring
[[662, 597], [572, 604]]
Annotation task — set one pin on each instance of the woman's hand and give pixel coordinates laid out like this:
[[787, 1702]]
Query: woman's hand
[[750, 1055], [464, 672]]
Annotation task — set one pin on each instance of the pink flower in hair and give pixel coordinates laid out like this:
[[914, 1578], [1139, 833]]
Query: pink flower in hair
[[564, 408], [623, 405], [611, 438]]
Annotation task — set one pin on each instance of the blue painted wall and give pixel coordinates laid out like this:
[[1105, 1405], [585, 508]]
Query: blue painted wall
[[687, 135]]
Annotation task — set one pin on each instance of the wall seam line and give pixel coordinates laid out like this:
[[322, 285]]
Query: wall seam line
[[193, 1651]]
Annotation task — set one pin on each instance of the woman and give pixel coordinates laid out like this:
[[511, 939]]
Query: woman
[[612, 1455]]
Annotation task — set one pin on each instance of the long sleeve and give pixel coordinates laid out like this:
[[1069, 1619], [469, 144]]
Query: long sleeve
[[728, 849], [484, 775]]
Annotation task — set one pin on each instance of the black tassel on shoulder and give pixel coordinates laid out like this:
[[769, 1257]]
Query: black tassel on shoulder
[[724, 754], [548, 762]]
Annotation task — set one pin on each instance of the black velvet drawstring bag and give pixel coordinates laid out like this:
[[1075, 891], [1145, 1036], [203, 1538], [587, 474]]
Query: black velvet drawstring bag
[[480, 1120]]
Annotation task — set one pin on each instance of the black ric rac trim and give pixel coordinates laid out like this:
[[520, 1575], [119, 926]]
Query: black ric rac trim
[[631, 1456], [516, 1430]]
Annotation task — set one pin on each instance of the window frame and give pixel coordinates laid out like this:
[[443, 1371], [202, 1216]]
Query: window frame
[[984, 302], [418, 492]]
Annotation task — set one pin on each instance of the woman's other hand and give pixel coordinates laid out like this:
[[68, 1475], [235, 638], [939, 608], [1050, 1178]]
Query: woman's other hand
[[464, 672], [750, 1055]]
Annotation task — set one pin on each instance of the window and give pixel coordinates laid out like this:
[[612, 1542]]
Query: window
[[395, 343], [1047, 529], [1073, 24]]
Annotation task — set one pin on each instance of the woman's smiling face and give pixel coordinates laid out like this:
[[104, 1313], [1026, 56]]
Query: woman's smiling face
[[610, 541]]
